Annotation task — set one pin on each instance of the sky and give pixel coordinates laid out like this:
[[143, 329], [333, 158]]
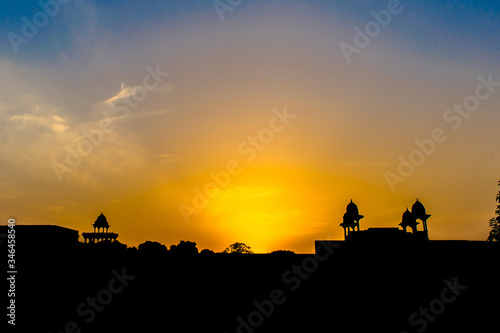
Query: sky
[[249, 121]]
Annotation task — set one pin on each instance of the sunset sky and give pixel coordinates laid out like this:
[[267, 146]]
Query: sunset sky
[[132, 107]]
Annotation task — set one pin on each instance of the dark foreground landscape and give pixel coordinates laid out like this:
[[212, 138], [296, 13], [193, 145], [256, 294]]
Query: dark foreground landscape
[[359, 286]]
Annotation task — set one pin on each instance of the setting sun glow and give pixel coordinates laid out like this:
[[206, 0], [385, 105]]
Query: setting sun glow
[[131, 110]]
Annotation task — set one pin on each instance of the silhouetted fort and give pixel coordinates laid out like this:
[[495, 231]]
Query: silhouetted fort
[[374, 280], [51, 235], [100, 223], [383, 235], [352, 232]]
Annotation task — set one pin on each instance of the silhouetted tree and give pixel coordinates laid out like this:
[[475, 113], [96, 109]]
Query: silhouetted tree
[[184, 248], [149, 247], [495, 222], [282, 252], [207, 251], [238, 248]]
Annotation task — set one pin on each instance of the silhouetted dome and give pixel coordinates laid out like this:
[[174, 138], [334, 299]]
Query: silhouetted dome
[[101, 221], [101, 218], [418, 209], [408, 219], [352, 208], [407, 216]]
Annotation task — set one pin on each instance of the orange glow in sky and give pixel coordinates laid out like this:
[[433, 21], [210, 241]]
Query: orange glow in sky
[[130, 120]]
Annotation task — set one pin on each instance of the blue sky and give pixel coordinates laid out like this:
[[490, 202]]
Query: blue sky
[[466, 30]]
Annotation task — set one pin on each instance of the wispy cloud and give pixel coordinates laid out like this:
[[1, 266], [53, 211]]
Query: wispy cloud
[[123, 93], [54, 122]]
